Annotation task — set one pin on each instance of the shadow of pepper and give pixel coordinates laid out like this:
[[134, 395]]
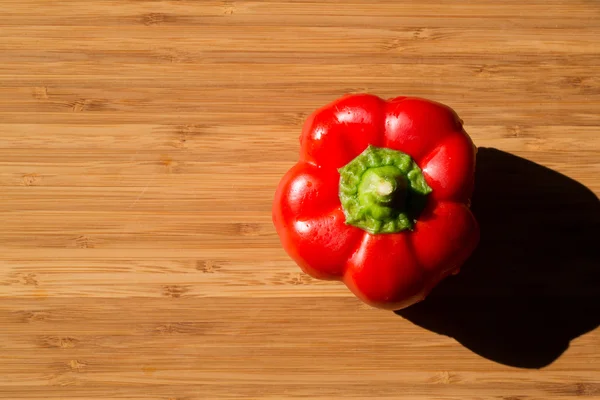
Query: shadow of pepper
[[533, 284]]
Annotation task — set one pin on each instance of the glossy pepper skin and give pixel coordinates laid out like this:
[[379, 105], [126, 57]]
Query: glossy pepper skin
[[326, 207]]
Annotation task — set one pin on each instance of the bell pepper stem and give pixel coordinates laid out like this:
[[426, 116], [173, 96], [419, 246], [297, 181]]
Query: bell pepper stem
[[382, 191]]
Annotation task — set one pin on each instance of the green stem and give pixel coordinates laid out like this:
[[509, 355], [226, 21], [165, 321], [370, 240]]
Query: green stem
[[382, 191]]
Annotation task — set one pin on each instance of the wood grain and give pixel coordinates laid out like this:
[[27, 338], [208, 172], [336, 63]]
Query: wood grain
[[141, 143]]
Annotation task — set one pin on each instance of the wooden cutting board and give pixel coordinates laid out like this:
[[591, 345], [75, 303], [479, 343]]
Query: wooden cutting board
[[141, 144]]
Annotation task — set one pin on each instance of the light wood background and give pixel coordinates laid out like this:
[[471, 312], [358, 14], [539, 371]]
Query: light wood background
[[140, 146]]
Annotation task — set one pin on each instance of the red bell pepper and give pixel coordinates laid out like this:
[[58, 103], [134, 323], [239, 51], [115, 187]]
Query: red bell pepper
[[379, 198]]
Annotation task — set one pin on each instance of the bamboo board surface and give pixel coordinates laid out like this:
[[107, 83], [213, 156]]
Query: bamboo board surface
[[140, 146]]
